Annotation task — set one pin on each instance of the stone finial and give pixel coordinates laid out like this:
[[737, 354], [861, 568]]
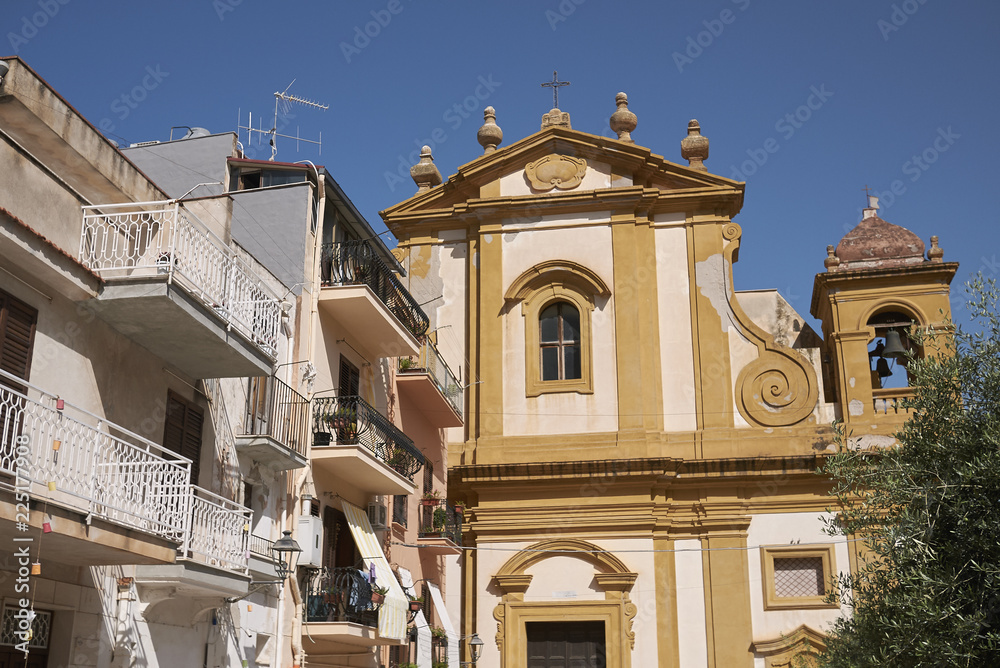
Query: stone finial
[[623, 121], [694, 147], [556, 117], [490, 135], [425, 173], [832, 261], [934, 253]]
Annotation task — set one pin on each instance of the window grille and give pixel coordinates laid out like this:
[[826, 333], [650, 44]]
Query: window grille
[[798, 577], [41, 628]]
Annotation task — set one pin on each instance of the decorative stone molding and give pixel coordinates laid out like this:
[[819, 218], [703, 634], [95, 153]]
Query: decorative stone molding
[[779, 388], [798, 648], [555, 171], [694, 147], [623, 121], [490, 135], [556, 117], [425, 173], [616, 610]]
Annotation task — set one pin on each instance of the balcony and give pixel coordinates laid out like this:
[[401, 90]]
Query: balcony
[[180, 291], [440, 527], [363, 294], [430, 387], [338, 610], [276, 425], [888, 403], [110, 496], [213, 559], [261, 557], [355, 443]]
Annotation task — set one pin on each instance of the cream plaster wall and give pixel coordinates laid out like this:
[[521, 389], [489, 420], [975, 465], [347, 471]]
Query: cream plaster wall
[[692, 637], [567, 412], [788, 529], [598, 176], [674, 306], [452, 260]]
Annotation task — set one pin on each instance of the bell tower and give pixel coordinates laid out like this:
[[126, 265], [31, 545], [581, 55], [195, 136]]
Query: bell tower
[[878, 291]]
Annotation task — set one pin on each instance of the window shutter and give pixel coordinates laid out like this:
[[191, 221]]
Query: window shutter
[[17, 336], [350, 378], [182, 431]]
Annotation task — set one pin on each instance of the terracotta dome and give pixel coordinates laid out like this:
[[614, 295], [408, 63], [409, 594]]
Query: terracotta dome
[[876, 243]]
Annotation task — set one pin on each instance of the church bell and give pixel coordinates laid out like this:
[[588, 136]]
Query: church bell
[[893, 346]]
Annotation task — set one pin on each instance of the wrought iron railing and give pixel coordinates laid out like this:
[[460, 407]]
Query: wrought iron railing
[[275, 409], [339, 595], [357, 263], [351, 420], [69, 456], [218, 531], [162, 240], [441, 520], [261, 546], [431, 363]]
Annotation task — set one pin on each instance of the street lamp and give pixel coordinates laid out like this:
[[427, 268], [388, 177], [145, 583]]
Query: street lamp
[[284, 553], [475, 648]]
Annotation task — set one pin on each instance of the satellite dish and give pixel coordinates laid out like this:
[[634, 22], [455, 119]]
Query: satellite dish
[[194, 133]]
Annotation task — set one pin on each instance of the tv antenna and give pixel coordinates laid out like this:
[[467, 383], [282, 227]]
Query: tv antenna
[[284, 99]]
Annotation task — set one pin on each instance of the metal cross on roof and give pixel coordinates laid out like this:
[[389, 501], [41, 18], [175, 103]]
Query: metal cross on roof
[[554, 85]]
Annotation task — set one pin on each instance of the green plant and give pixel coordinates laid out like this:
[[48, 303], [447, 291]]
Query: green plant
[[433, 494], [440, 664], [408, 665], [439, 633], [440, 518], [405, 363]]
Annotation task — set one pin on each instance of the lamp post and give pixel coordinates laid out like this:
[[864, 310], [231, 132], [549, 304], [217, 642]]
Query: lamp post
[[285, 552], [475, 649]]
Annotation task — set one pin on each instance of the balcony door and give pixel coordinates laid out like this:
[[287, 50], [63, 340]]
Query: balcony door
[[565, 644], [17, 338]]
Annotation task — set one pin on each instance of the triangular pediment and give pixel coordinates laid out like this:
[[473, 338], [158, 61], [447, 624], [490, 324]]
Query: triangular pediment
[[641, 168]]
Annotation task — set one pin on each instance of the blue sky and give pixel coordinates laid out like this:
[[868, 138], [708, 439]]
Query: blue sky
[[807, 102]]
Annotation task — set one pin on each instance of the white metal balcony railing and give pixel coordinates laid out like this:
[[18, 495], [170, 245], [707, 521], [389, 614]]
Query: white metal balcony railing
[[123, 478], [47, 443], [160, 239], [219, 531]]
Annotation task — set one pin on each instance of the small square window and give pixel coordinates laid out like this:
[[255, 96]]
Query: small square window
[[798, 577]]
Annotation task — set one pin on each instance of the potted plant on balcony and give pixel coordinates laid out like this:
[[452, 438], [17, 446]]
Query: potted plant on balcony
[[406, 363], [416, 604], [440, 519], [430, 532], [460, 507], [431, 498], [400, 461], [345, 423], [321, 435], [378, 594], [439, 635]]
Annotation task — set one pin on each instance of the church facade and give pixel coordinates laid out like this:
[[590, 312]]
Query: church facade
[[638, 461]]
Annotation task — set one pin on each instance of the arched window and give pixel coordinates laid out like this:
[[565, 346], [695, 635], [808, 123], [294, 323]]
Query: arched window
[[557, 300], [892, 337], [559, 342]]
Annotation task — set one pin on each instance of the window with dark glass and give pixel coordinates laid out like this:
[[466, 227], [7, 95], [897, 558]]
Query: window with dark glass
[[559, 340]]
